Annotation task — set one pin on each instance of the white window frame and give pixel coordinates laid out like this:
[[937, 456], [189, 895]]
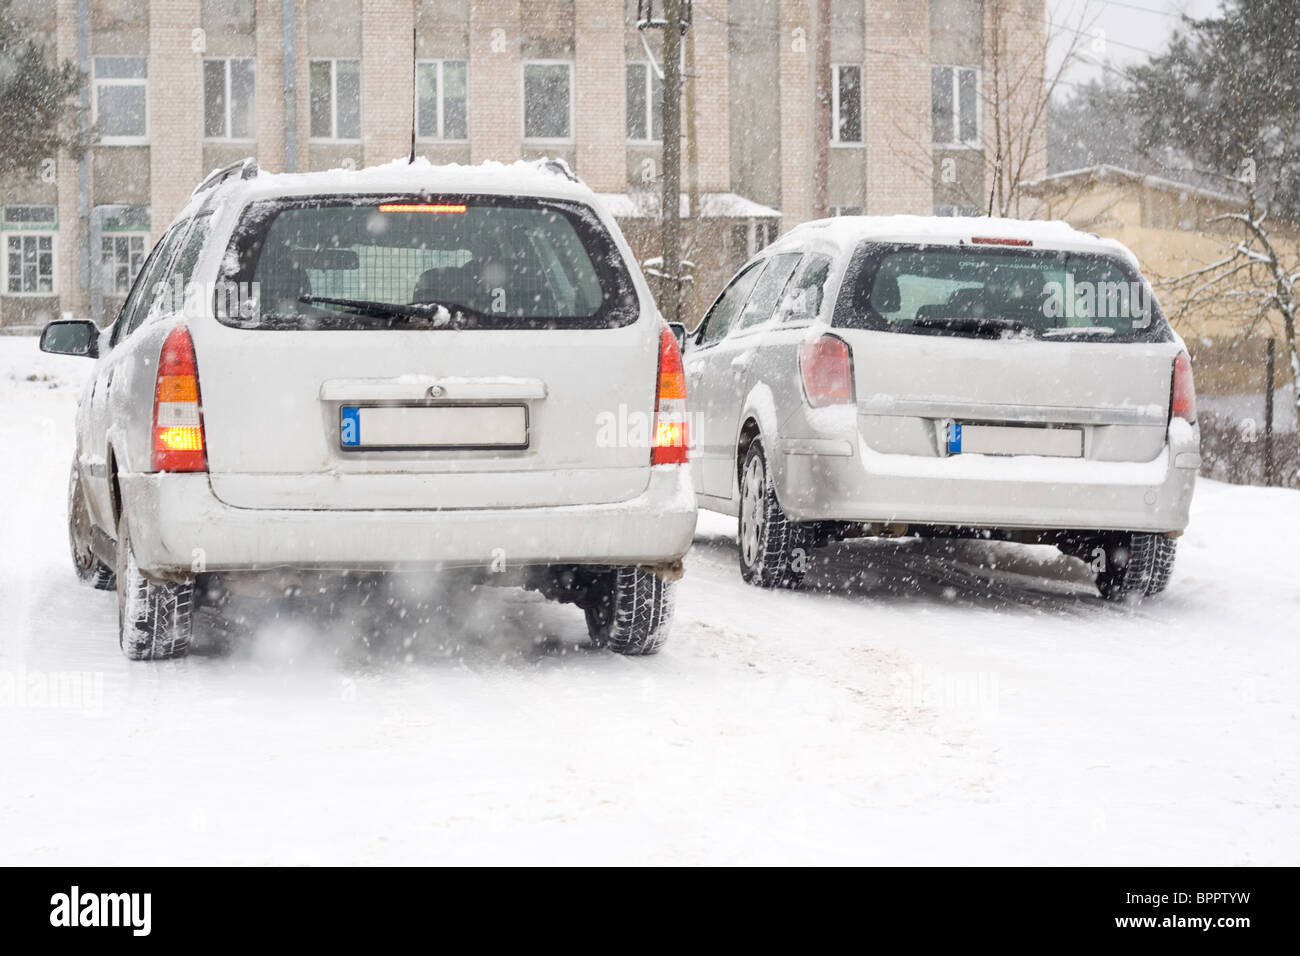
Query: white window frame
[[110, 288], [54, 262], [227, 138], [954, 142], [140, 81], [334, 61], [440, 137], [523, 99], [649, 84], [835, 108]]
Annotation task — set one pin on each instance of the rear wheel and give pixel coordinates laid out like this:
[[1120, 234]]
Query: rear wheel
[[1137, 565], [84, 562], [155, 619], [773, 549], [629, 611]]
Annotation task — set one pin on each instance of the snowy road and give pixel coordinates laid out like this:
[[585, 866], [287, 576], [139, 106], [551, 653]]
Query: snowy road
[[915, 706]]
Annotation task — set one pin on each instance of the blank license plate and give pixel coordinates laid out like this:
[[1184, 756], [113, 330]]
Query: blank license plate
[[1012, 440], [438, 426]]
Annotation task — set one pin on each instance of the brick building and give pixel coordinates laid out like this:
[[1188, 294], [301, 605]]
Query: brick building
[[801, 108]]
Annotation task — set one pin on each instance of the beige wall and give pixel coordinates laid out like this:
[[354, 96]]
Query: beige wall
[[896, 84], [600, 114], [495, 76], [387, 81], [796, 126], [756, 111], [175, 109]]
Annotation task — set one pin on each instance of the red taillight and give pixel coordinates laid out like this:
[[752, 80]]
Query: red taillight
[[670, 436], [1182, 402], [177, 412], [995, 241], [826, 368]]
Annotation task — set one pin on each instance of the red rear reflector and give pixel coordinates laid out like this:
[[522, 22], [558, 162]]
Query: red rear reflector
[[422, 207], [826, 368], [1182, 402], [177, 412], [670, 434], [992, 241]]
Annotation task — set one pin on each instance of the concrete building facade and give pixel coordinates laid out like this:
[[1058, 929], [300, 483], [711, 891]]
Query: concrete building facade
[[802, 108]]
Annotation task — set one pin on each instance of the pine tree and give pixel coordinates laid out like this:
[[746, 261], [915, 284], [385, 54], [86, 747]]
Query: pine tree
[[1227, 96], [37, 110]]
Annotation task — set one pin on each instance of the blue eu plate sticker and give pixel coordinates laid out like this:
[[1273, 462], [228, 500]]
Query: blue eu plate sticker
[[350, 427], [954, 438]]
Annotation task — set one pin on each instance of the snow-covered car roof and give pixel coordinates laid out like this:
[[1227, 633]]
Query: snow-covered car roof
[[846, 232], [548, 179]]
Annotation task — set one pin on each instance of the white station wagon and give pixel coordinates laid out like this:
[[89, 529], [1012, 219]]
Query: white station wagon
[[403, 368], [945, 377]]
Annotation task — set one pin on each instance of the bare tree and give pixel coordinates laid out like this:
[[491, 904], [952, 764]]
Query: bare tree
[[1255, 279], [1014, 99]]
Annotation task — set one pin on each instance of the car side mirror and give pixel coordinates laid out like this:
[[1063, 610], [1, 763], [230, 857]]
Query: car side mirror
[[679, 333], [71, 337]]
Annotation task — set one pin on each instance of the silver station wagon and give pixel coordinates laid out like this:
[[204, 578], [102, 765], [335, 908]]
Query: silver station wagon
[[403, 368], [945, 377]]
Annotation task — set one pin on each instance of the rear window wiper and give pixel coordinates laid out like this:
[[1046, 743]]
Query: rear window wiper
[[438, 313], [977, 325], [1085, 331]]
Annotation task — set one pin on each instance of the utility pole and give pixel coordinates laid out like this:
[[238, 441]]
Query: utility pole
[[692, 141], [675, 21], [672, 225]]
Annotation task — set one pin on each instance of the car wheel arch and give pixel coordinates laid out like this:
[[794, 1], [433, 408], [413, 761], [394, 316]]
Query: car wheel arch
[[758, 419]]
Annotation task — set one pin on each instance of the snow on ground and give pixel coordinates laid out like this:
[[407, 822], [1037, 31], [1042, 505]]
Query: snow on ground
[[919, 704]]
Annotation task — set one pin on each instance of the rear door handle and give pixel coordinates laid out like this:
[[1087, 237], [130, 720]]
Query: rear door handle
[[741, 361]]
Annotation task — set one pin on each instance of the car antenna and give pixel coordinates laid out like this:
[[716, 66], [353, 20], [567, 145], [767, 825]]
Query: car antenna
[[415, 95]]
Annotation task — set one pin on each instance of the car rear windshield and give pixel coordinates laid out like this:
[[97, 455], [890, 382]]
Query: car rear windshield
[[998, 292], [468, 262]]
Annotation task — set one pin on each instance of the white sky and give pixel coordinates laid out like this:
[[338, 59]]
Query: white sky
[[1130, 30]]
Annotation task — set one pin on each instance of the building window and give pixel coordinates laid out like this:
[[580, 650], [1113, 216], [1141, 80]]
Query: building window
[[645, 101], [29, 249], [122, 100], [120, 256], [228, 98], [954, 99], [442, 91], [29, 217], [336, 99], [29, 263], [548, 101], [846, 104], [750, 236]]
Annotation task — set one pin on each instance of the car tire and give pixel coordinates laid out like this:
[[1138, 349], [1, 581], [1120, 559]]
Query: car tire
[[155, 619], [85, 563], [629, 611], [773, 549], [1138, 564]]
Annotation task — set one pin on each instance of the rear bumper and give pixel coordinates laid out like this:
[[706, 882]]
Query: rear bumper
[[179, 526], [846, 481]]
